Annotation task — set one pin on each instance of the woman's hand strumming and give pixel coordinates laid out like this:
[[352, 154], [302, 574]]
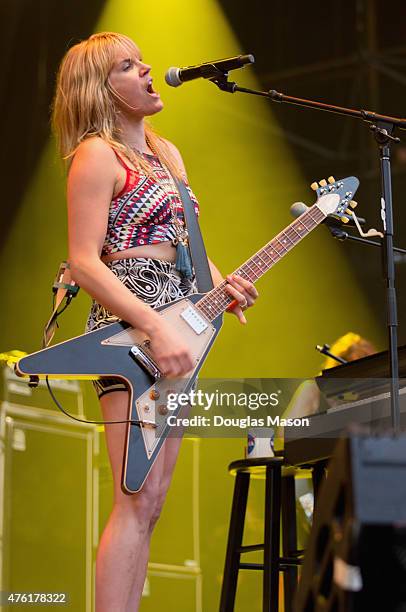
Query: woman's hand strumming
[[169, 350]]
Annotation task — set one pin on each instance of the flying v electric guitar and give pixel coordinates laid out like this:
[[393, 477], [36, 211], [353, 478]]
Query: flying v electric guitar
[[122, 351]]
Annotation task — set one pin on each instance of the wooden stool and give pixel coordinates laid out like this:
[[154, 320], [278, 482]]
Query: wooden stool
[[279, 500]]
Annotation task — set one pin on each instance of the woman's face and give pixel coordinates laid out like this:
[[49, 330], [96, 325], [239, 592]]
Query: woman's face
[[131, 80]]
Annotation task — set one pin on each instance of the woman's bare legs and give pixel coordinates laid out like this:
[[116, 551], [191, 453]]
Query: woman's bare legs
[[170, 453], [123, 551]]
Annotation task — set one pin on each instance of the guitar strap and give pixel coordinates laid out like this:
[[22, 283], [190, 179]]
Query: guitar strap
[[198, 253]]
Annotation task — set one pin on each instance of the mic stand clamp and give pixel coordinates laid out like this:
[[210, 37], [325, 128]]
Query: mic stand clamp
[[223, 83], [382, 135], [338, 233]]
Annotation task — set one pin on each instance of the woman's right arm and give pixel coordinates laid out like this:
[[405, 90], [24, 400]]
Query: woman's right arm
[[91, 182]]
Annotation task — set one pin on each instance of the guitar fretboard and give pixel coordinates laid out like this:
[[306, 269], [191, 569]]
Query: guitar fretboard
[[218, 299]]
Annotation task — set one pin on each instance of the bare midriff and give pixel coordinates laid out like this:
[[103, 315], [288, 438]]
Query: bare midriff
[[164, 250]]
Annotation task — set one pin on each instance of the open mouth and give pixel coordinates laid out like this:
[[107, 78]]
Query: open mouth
[[151, 90]]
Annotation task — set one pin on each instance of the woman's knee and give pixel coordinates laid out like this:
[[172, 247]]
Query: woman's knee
[[143, 506], [165, 480], [163, 489]]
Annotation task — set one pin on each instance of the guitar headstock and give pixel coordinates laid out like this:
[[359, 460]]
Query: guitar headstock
[[345, 190]]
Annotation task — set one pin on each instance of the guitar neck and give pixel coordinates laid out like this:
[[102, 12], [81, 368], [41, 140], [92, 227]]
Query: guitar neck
[[218, 299]]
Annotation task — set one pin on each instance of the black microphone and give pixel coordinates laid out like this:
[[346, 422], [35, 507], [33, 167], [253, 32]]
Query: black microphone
[[209, 70], [298, 208]]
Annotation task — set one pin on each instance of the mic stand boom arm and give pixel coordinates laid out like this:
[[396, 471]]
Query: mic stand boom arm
[[383, 127], [342, 235]]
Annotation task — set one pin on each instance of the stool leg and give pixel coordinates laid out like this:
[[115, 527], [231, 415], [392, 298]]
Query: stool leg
[[235, 535], [289, 539], [318, 475], [270, 594]]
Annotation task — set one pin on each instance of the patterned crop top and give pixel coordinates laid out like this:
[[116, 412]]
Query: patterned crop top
[[140, 214]]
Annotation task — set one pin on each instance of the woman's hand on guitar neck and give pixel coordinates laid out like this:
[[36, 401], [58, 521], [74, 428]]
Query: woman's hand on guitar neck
[[244, 294], [170, 352]]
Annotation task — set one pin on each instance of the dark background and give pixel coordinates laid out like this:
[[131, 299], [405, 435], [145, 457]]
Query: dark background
[[346, 52]]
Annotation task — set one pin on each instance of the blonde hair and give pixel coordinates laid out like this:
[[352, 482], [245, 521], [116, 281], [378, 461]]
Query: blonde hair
[[84, 103]]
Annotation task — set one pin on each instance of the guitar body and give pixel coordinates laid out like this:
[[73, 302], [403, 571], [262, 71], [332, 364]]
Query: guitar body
[[107, 352]]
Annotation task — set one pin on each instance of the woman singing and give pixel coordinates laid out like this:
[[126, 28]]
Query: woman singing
[[124, 217]]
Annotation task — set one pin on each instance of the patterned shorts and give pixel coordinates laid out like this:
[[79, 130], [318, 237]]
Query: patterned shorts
[[155, 282]]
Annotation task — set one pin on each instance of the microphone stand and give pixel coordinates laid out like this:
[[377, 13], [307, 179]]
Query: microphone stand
[[342, 235], [383, 127]]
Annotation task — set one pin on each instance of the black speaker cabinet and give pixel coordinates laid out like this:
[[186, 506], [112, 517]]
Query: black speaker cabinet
[[356, 557]]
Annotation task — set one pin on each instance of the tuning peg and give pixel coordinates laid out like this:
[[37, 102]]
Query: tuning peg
[[331, 179], [353, 203], [323, 183], [314, 186], [345, 219], [348, 211]]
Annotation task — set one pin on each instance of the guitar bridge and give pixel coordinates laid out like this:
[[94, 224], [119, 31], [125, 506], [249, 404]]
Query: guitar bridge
[[145, 361]]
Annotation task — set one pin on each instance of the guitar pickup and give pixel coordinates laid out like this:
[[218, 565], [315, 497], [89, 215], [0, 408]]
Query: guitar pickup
[[145, 361], [194, 320]]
